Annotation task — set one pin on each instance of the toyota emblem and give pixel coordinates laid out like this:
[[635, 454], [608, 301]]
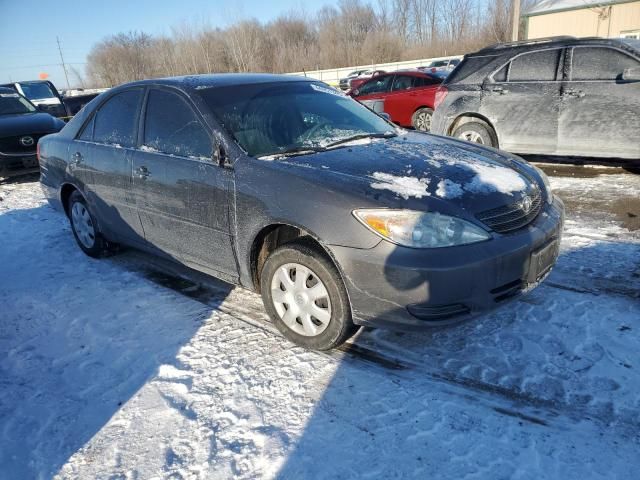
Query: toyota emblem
[[525, 204], [27, 141]]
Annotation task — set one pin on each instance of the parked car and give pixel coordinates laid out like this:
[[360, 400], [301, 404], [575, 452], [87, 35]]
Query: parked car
[[44, 95], [285, 186], [359, 80], [445, 65], [21, 126], [345, 83], [561, 96], [408, 97]]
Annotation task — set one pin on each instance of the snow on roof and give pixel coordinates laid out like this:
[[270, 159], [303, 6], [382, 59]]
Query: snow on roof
[[549, 6]]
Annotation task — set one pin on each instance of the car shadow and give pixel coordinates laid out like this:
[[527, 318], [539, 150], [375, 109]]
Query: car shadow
[[78, 338]]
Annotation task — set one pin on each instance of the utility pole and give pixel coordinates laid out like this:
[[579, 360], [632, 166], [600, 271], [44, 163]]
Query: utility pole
[[515, 9], [64, 66]]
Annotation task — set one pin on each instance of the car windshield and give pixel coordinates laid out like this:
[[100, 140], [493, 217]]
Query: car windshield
[[292, 117], [37, 91], [13, 104]]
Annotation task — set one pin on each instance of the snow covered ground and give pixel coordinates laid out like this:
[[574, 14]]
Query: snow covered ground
[[118, 369]]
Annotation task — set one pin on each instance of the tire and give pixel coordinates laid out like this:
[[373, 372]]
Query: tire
[[421, 119], [85, 228], [476, 132], [635, 170], [334, 324]]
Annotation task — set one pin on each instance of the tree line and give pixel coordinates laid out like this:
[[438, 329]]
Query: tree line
[[354, 32]]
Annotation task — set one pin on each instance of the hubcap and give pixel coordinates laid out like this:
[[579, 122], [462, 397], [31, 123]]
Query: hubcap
[[423, 122], [82, 225], [301, 299], [471, 136]]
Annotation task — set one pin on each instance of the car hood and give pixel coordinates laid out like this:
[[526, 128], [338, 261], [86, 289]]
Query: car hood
[[413, 168], [13, 125]]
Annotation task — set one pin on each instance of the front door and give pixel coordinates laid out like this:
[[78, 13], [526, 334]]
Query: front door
[[182, 195], [373, 92], [521, 102], [600, 110]]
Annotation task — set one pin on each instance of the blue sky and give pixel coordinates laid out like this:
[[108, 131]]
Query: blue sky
[[28, 28]]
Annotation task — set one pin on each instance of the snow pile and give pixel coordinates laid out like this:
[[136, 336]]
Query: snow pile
[[448, 189], [405, 187], [490, 178]]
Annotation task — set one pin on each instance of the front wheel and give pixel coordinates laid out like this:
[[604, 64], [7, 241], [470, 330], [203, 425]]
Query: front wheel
[[476, 132], [305, 297], [421, 119]]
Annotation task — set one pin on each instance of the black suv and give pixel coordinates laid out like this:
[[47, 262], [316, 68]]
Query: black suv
[[558, 96]]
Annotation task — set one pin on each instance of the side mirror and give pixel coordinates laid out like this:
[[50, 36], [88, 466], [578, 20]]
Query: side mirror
[[355, 92], [631, 74], [385, 115]]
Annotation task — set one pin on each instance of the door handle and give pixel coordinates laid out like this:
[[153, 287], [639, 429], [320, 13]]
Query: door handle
[[143, 173], [76, 158], [570, 92], [499, 90]]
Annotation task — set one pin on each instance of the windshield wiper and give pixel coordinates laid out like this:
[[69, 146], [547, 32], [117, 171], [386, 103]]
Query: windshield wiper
[[361, 136], [293, 151]]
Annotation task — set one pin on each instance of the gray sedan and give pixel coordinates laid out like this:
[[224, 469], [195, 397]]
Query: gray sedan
[[285, 186]]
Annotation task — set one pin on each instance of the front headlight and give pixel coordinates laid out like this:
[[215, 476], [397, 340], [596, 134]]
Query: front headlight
[[420, 229], [547, 185]]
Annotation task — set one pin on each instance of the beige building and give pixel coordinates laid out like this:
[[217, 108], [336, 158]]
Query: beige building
[[583, 18]]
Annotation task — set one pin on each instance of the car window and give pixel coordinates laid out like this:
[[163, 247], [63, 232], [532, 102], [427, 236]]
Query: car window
[[501, 75], [117, 119], [87, 131], [535, 66], [171, 126], [37, 90], [426, 81], [376, 85], [402, 82], [599, 63]]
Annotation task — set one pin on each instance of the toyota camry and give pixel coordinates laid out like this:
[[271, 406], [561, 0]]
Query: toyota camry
[[288, 187]]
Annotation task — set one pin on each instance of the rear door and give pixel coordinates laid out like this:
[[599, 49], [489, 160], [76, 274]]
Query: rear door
[[373, 93], [103, 157], [521, 100], [408, 94], [600, 111], [182, 195]]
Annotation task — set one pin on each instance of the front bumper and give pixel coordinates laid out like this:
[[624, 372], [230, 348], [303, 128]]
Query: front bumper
[[398, 287], [14, 164]]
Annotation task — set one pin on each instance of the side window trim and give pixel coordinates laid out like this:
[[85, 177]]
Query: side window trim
[[607, 47], [509, 63], [143, 118]]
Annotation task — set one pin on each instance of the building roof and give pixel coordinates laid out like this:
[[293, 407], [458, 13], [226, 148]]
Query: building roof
[[549, 6]]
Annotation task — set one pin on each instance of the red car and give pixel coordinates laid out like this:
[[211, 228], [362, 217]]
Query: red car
[[407, 97], [358, 81]]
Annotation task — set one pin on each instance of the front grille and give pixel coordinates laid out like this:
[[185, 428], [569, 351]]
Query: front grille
[[13, 145], [513, 216]]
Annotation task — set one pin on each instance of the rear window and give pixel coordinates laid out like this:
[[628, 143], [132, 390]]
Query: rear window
[[468, 67], [116, 121], [600, 63], [535, 66]]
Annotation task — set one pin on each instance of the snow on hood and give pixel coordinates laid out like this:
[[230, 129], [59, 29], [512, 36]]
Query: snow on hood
[[417, 166], [403, 186]]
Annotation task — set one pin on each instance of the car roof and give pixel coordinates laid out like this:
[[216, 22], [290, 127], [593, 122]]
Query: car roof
[[198, 82], [535, 44]]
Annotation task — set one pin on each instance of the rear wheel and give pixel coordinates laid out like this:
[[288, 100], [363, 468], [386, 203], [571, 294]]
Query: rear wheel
[[85, 228], [305, 297], [421, 119], [476, 132]]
